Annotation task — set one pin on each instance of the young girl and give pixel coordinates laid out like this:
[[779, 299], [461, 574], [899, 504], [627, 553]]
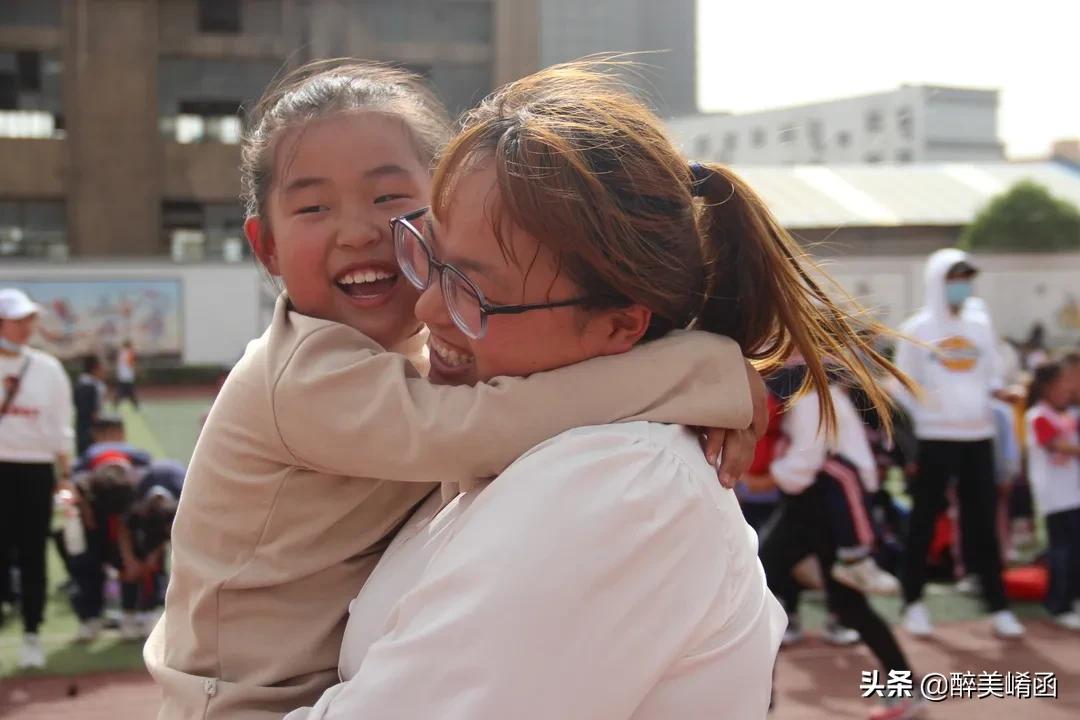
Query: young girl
[[823, 513], [1053, 463], [603, 575], [323, 438]]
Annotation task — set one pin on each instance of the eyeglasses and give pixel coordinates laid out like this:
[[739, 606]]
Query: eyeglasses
[[466, 303]]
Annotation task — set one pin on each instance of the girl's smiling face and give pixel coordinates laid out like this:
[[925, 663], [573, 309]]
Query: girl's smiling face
[[337, 183]]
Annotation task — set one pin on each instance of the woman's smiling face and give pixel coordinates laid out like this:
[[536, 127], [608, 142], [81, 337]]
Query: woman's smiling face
[[513, 345]]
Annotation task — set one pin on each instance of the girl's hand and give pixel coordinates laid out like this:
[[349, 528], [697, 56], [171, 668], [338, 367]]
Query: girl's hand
[[735, 448]]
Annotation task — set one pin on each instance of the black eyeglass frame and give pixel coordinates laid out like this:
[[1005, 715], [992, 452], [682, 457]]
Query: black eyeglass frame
[[446, 270]]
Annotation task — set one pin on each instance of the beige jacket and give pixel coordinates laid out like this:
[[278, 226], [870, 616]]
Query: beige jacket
[[317, 449]]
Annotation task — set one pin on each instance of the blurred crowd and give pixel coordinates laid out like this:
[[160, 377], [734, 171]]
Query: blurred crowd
[[974, 479], [107, 509]]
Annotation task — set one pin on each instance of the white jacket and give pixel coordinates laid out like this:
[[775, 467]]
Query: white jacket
[[958, 366], [605, 575], [37, 426], [796, 469]]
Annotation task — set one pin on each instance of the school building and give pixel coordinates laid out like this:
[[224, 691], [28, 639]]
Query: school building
[[119, 119]]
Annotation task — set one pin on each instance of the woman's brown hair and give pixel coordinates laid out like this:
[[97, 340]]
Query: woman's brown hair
[[586, 168]]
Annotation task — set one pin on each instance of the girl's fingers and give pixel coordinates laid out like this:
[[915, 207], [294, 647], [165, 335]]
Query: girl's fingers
[[738, 454]]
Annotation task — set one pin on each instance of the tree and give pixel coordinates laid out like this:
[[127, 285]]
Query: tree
[[1025, 217]]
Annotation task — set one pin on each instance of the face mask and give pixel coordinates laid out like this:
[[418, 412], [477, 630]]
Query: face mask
[[957, 291], [8, 346]]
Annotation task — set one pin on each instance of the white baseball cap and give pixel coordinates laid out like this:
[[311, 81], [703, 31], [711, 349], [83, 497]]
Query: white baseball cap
[[16, 305]]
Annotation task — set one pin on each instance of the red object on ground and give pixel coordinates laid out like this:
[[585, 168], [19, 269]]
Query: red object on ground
[[1029, 582]]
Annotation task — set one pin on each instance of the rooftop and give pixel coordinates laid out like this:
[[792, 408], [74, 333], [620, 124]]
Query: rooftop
[[947, 194]]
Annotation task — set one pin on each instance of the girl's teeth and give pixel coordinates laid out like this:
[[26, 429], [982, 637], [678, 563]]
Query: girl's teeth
[[365, 276]]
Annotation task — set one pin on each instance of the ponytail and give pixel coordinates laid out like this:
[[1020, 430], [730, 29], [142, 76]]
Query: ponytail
[[765, 293], [583, 166]]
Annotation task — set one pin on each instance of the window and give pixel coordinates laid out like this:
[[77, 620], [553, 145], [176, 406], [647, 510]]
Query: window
[[731, 141], [28, 70], [873, 158], [33, 228], [757, 138], [873, 121], [905, 123], [195, 231], [903, 156], [30, 13], [788, 134], [219, 16], [30, 96], [204, 121], [816, 135], [843, 138]]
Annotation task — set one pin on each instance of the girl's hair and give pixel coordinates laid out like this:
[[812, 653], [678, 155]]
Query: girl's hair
[[587, 169], [327, 87], [1044, 376]]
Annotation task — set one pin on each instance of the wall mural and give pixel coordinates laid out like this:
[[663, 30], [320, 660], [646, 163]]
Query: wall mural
[[84, 316]]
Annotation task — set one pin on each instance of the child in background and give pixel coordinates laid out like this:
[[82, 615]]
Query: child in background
[[759, 498], [106, 493], [125, 375], [109, 436], [324, 438], [1054, 474], [820, 476], [89, 400], [847, 471]]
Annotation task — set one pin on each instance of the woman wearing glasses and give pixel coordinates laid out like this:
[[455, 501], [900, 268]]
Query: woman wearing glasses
[[324, 438], [603, 575]]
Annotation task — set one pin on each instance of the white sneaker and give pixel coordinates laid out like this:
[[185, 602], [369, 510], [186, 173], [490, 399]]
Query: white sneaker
[[793, 634], [866, 577], [836, 634], [917, 620], [88, 630], [130, 627], [969, 585], [1068, 620], [1006, 625], [33, 654]]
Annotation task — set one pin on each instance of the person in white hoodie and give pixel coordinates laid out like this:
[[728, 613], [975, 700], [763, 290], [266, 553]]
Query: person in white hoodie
[[952, 354]]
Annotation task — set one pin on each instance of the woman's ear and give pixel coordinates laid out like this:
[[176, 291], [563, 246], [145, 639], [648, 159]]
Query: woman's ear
[[261, 241], [619, 329]]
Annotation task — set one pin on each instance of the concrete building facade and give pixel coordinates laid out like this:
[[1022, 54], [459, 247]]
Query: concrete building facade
[[914, 123], [662, 32], [120, 119]]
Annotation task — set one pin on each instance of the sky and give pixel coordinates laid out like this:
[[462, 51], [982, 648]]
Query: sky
[[760, 54]]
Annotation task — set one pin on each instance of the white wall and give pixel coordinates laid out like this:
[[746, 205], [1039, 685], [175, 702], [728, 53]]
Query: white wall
[[223, 306], [1020, 290]]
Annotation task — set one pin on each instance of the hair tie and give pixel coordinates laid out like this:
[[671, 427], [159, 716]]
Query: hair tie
[[700, 175]]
